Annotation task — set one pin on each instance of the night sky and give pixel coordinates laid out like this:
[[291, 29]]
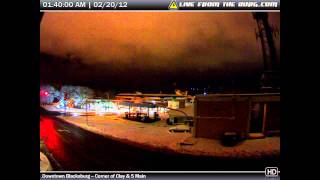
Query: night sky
[[151, 51]]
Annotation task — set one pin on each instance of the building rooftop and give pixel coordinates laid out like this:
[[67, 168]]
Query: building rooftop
[[149, 95]]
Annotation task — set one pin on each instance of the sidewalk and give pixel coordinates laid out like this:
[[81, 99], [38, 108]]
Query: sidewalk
[[156, 136], [44, 163]]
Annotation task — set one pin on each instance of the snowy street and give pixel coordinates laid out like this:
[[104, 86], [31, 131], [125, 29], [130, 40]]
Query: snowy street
[[153, 147], [157, 136]]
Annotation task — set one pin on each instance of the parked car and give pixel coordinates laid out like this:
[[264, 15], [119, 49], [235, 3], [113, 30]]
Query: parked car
[[180, 120], [141, 117]]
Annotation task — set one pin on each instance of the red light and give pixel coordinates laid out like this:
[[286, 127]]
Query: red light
[[51, 138], [46, 93]]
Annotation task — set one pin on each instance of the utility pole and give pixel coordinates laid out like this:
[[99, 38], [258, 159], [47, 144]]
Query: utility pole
[[86, 112], [65, 103], [271, 74], [108, 100]]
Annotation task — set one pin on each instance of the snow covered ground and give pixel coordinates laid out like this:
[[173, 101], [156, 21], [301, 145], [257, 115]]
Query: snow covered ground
[[62, 110], [44, 163], [156, 136]]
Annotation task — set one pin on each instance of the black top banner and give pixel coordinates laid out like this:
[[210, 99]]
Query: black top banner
[[163, 5]]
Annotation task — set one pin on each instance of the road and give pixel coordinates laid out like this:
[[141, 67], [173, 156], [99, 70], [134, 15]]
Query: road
[[79, 150]]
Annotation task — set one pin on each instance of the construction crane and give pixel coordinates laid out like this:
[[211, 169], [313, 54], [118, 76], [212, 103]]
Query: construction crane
[[270, 80]]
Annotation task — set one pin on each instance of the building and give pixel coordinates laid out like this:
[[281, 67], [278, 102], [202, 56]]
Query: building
[[181, 115], [98, 105], [149, 104], [161, 100], [176, 103], [249, 115]]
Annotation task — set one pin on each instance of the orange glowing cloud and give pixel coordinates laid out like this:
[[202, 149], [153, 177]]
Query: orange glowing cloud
[[154, 39]]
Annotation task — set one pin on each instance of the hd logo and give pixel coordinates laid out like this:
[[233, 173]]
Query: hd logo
[[271, 172]]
